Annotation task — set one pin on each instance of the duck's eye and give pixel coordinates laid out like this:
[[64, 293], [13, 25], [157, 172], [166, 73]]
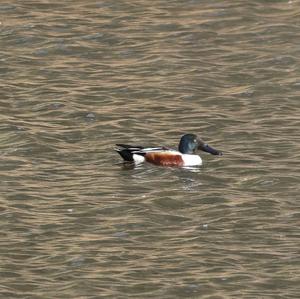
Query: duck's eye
[[195, 140]]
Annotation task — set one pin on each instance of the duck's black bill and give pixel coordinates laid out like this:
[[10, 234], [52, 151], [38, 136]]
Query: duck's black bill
[[209, 149]]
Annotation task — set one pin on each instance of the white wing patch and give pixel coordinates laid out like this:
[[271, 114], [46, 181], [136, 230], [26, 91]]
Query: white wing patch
[[153, 149]]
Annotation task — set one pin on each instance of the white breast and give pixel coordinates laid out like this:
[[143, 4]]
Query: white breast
[[191, 160]]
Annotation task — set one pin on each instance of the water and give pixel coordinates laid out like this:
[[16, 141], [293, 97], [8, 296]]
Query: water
[[78, 77]]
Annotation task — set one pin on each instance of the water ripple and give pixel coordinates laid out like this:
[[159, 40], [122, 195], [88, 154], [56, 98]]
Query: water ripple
[[76, 78]]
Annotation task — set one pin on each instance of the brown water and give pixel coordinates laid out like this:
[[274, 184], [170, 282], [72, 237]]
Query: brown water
[[76, 77]]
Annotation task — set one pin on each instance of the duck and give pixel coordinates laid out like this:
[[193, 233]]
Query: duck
[[185, 156]]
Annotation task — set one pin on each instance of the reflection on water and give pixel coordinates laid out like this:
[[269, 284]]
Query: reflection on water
[[78, 77]]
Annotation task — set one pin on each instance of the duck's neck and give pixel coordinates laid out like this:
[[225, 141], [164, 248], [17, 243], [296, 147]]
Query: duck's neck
[[184, 148]]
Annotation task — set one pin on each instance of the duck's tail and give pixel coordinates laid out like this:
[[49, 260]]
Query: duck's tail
[[127, 151]]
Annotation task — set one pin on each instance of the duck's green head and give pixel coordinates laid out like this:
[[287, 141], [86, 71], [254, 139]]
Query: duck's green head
[[189, 143]]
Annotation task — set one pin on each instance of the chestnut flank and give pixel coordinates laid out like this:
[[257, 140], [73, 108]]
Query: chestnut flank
[[164, 159]]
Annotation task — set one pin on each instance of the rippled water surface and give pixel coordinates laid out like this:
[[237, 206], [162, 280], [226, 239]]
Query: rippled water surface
[[76, 77]]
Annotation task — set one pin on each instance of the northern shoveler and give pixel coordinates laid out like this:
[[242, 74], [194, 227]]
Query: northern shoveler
[[184, 156]]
